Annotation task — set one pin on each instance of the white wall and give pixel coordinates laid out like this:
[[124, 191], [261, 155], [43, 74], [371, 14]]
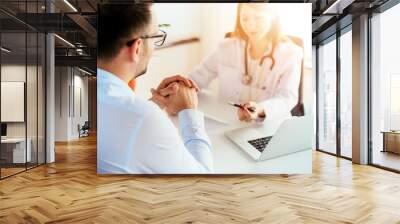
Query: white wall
[[79, 117], [33, 127], [62, 81], [167, 62], [70, 83], [11, 73], [14, 73], [13, 100], [184, 19], [219, 18]]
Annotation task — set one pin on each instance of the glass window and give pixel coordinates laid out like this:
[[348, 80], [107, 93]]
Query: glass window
[[35, 90], [22, 93], [346, 94], [385, 89], [15, 150], [31, 99], [327, 97], [394, 101], [41, 98]]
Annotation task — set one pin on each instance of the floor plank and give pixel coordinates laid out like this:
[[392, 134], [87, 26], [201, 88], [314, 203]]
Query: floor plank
[[70, 191]]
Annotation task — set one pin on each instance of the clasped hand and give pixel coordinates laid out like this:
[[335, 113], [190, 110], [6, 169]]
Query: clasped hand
[[175, 94]]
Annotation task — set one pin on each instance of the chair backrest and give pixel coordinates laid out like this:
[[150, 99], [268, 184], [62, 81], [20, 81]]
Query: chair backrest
[[297, 110], [86, 125]]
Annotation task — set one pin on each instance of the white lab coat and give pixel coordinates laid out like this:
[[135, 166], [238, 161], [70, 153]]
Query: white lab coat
[[226, 64]]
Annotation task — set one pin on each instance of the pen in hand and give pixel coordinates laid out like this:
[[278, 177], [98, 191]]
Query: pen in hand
[[251, 109]]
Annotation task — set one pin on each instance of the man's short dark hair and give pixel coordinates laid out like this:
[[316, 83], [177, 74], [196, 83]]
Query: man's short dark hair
[[117, 23]]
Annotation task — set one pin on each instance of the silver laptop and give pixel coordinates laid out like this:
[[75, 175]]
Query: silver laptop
[[293, 135]]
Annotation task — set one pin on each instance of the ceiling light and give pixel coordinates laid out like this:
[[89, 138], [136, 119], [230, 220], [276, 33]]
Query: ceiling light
[[337, 7], [65, 41], [5, 50], [84, 71], [70, 5], [79, 51]]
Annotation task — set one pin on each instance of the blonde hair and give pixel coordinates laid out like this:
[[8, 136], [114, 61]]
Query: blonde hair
[[274, 35]]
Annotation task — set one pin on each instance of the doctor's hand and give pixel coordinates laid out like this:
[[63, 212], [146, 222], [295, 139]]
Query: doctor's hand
[[250, 111], [164, 88], [183, 98]]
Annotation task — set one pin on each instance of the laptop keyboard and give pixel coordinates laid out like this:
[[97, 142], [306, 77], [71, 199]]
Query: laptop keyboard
[[260, 143]]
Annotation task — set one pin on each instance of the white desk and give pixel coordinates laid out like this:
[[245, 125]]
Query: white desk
[[19, 153], [229, 158]]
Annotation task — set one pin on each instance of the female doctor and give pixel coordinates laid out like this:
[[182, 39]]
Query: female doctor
[[257, 66]]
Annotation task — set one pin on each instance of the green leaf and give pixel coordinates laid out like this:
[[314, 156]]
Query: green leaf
[[164, 25]]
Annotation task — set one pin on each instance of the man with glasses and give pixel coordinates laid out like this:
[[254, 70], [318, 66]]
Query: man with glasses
[[135, 135]]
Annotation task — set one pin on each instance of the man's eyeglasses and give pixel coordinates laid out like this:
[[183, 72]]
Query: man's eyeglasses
[[160, 39]]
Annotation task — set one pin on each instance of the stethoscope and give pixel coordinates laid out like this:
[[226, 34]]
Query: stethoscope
[[247, 79]]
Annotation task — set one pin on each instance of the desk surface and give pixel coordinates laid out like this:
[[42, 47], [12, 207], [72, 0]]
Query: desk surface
[[13, 140], [229, 158], [391, 132]]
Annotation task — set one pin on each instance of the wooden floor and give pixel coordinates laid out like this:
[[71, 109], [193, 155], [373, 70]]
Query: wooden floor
[[10, 171], [5, 172], [387, 159], [70, 191]]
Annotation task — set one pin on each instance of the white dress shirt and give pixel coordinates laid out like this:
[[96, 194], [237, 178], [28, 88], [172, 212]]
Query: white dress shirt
[[278, 89], [135, 136]]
